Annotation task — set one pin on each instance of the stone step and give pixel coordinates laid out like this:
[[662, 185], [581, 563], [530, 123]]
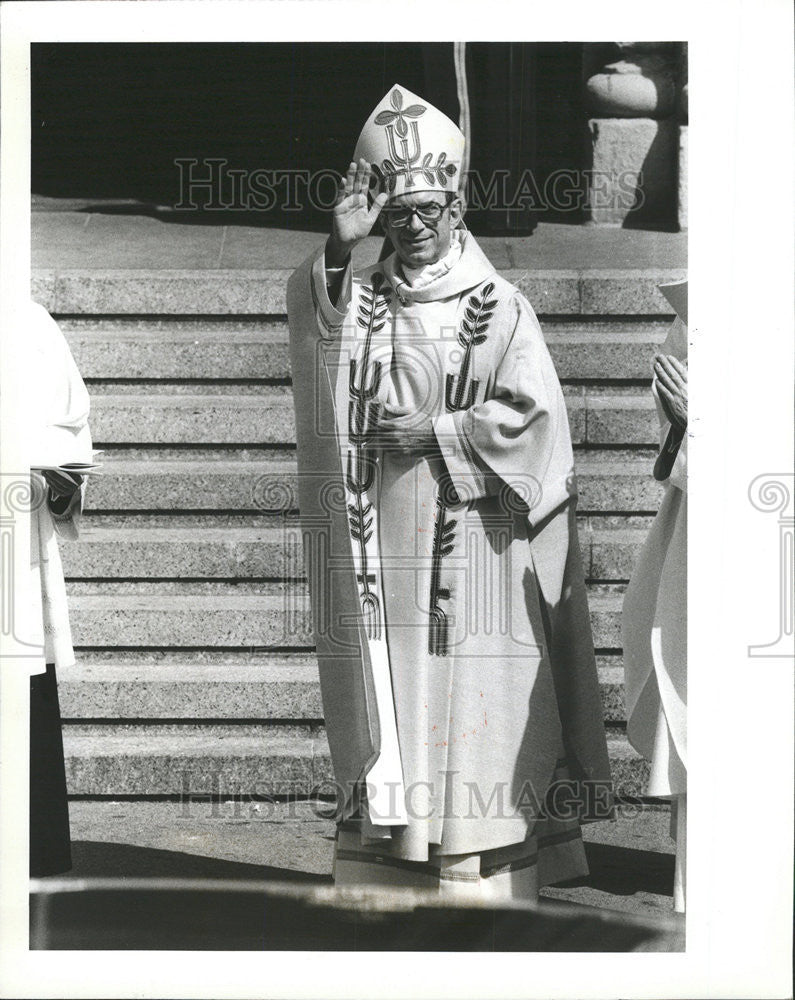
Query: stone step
[[165, 620], [280, 688], [156, 418], [629, 770], [613, 350], [241, 349], [608, 481], [229, 761], [182, 760], [268, 418], [176, 551], [211, 292]]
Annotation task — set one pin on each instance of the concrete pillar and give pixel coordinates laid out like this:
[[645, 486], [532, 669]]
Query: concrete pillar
[[639, 83], [682, 213], [682, 185], [632, 94]]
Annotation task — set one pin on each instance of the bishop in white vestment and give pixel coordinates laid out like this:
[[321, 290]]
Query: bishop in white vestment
[[437, 497]]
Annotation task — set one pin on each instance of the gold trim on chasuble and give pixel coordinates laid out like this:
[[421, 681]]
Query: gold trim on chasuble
[[363, 412], [385, 787], [460, 393]]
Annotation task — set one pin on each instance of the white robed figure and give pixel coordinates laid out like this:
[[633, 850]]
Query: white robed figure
[[56, 435], [437, 497], [655, 607]]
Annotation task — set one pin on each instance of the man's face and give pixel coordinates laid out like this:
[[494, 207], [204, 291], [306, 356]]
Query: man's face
[[421, 240]]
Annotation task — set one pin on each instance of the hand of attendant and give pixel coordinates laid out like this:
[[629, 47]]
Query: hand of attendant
[[405, 433], [670, 376], [62, 487], [353, 217]]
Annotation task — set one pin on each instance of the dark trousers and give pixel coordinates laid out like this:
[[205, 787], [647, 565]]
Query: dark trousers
[[50, 846]]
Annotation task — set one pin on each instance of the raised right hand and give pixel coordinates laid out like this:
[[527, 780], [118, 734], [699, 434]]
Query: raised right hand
[[353, 218]]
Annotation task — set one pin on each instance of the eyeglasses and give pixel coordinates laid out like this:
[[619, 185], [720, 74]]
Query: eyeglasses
[[428, 213]]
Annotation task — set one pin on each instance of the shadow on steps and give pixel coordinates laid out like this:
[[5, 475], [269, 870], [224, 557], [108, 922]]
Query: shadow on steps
[[95, 859], [621, 871], [624, 871]]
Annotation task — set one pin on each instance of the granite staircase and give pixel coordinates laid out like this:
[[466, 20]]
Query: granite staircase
[[190, 618]]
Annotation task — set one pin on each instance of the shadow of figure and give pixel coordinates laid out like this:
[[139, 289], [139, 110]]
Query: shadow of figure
[[625, 871], [100, 859]]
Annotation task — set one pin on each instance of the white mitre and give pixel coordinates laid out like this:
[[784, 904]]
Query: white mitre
[[411, 145]]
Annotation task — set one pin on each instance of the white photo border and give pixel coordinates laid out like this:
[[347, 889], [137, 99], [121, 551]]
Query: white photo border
[[741, 332]]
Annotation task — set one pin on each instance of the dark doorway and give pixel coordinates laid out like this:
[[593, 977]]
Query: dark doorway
[[133, 123]]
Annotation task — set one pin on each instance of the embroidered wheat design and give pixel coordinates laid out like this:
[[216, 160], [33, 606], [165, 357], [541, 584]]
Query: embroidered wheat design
[[460, 394], [363, 409]]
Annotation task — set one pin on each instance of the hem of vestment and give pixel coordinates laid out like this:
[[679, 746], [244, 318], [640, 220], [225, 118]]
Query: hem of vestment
[[513, 872]]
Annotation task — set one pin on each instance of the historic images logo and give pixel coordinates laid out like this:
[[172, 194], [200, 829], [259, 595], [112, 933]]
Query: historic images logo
[[774, 493], [225, 796], [21, 493], [317, 543], [457, 586], [210, 184]]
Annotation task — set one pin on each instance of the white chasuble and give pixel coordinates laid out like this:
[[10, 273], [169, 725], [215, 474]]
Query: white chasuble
[[454, 644]]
